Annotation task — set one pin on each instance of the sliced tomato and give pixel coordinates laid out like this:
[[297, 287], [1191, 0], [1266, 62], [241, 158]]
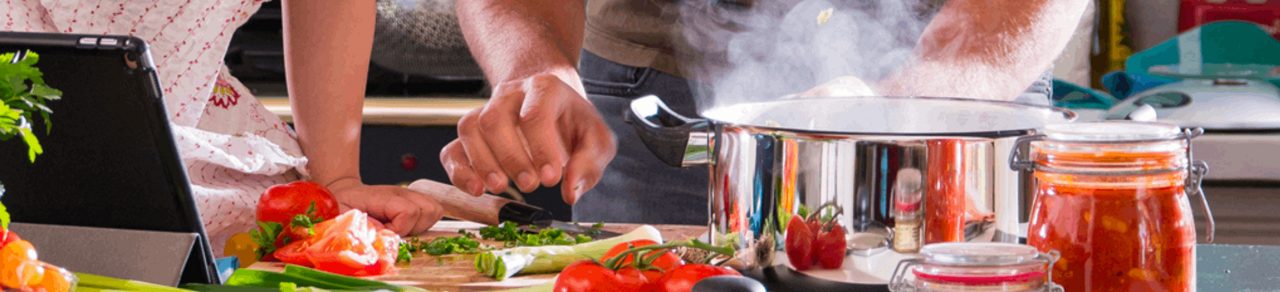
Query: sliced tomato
[[293, 253]]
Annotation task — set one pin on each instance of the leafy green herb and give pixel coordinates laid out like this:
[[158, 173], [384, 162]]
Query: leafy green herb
[[510, 233], [265, 236], [406, 252], [23, 94], [307, 220], [4, 214], [462, 244]]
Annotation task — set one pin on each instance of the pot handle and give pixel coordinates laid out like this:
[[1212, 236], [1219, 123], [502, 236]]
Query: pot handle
[[675, 139]]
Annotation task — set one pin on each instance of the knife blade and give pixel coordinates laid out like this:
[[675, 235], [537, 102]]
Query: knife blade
[[493, 210]]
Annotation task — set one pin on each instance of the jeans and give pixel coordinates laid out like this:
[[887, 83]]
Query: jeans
[[636, 186]]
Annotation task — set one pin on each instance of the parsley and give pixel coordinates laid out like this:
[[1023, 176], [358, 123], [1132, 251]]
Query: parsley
[[265, 236], [307, 220], [23, 95], [510, 234]]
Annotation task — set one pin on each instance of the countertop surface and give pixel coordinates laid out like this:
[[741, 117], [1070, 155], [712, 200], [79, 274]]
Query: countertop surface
[[1219, 267]]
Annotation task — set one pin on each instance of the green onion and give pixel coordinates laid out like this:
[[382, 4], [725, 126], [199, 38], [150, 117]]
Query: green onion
[[91, 282], [503, 264]]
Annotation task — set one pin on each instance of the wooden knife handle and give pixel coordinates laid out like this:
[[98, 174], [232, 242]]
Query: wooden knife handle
[[484, 209]]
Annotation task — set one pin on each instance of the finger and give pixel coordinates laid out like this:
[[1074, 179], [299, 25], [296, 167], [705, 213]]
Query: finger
[[543, 105], [478, 153], [430, 211], [594, 149], [499, 120], [404, 216], [454, 159]]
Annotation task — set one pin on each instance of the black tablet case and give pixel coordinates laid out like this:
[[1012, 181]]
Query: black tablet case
[[110, 159]]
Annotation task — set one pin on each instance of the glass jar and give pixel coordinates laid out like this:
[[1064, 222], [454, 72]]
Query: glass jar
[[971, 266], [1112, 198]]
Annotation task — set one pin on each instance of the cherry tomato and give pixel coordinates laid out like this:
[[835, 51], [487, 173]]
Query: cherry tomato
[[591, 276], [7, 236], [829, 247], [293, 253], [19, 267], [281, 203], [666, 262], [799, 244], [683, 278], [241, 246]]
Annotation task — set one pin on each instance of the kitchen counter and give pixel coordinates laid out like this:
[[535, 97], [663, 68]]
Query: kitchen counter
[[398, 111], [1219, 268]]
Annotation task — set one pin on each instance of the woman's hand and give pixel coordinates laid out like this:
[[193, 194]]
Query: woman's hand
[[536, 130], [405, 212]]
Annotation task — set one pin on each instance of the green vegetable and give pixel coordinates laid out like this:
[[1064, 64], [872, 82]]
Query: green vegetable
[[306, 277], [307, 220], [503, 264], [462, 244], [265, 236], [91, 282], [510, 233], [4, 213], [23, 95]]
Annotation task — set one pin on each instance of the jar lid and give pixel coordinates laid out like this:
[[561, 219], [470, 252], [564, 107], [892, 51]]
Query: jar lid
[[978, 254], [1111, 131]]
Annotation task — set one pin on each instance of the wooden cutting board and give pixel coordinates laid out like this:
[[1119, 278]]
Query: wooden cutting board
[[457, 273]]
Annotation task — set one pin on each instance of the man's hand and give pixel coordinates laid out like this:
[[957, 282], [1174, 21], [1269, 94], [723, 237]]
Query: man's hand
[[841, 86], [536, 130], [406, 212]]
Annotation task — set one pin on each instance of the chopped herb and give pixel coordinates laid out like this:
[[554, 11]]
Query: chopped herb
[[265, 236], [510, 234], [307, 220]]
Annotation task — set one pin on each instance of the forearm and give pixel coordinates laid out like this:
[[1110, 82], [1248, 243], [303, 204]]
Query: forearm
[[513, 39], [987, 48], [327, 46]]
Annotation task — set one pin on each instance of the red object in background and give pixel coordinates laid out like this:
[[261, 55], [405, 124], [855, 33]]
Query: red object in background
[[1193, 13], [409, 162], [945, 192]]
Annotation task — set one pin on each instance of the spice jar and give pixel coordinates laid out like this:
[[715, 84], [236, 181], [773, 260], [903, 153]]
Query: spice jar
[[1112, 198], [965, 266]]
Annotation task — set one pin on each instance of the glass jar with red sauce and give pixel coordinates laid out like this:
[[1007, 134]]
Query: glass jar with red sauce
[[1113, 199], [975, 266]]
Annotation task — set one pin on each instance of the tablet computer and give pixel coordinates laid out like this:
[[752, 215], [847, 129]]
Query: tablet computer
[[109, 159]]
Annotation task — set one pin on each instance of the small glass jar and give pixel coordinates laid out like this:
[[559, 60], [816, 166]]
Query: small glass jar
[[974, 266], [1112, 198]]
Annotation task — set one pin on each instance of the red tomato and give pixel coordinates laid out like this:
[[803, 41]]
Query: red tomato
[[591, 276], [666, 262], [683, 278], [349, 245], [829, 247], [281, 203], [7, 236], [293, 253], [799, 244]]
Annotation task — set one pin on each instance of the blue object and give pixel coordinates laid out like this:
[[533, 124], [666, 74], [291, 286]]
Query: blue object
[[1223, 42], [1123, 84], [226, 266], [1073, 96]]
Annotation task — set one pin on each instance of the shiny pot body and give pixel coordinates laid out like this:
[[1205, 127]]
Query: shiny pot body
[[898, 186]]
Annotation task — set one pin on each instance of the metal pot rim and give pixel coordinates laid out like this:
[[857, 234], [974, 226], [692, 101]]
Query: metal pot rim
[[1067, 116]]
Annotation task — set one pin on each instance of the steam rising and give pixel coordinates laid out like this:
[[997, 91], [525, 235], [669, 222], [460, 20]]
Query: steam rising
[[768, 49]]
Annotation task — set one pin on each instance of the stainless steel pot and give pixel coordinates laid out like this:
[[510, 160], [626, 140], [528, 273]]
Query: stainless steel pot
[[905, 170]]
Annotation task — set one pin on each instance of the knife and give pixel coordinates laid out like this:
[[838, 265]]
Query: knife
[[493, 210]]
